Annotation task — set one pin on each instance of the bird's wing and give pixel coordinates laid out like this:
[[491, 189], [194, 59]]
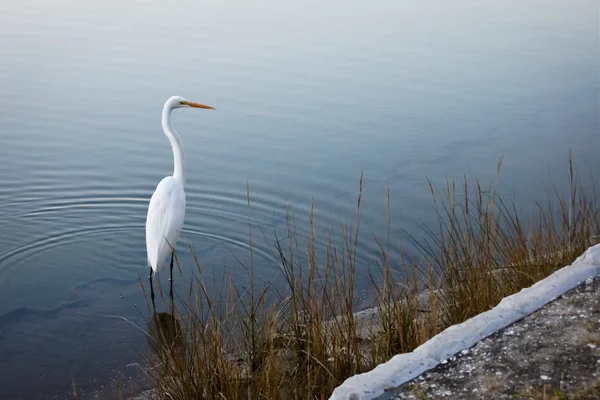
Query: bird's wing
[[165, 220]]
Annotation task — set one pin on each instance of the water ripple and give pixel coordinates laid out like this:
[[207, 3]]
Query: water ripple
[[98, 202], [47, 242]]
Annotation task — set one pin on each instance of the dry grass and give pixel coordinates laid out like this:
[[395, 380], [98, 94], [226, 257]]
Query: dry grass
[[301, 340]]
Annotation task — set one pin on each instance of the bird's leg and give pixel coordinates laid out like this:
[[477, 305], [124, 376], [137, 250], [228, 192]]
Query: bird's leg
[[171, 277], [152, 289]]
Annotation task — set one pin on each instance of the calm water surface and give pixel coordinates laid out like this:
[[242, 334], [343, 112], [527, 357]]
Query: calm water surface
[[308, 95]]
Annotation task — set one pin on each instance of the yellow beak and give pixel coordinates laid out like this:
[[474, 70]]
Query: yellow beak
[[197, 105]]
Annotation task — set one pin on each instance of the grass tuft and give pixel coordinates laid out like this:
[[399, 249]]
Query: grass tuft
[[301, 339]]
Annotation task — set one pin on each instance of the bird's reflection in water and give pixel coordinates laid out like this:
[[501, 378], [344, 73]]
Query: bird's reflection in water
[[165, 334]]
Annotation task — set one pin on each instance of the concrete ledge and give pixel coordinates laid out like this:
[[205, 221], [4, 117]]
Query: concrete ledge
[[405, 367]]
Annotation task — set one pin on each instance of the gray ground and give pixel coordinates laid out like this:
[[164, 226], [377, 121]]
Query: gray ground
[[553, 353]]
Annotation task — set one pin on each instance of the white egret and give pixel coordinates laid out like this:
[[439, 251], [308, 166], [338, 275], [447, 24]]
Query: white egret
[[166, 210]]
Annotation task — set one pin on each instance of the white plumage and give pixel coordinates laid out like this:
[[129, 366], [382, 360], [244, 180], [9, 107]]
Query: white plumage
[[166, 213]]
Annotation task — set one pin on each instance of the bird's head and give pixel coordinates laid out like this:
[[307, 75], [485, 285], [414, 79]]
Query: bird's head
[[180, 102]]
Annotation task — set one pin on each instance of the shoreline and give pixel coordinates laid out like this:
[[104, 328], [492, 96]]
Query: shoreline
[[367, 322], [404, 367]]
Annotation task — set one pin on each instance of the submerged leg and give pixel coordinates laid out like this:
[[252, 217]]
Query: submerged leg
[[171, 276], [152, 289]]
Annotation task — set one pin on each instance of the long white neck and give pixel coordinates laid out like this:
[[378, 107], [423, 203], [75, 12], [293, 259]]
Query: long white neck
[[176, 144]]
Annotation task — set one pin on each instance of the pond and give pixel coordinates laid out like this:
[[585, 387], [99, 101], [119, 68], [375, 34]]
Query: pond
[[307, 94]]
